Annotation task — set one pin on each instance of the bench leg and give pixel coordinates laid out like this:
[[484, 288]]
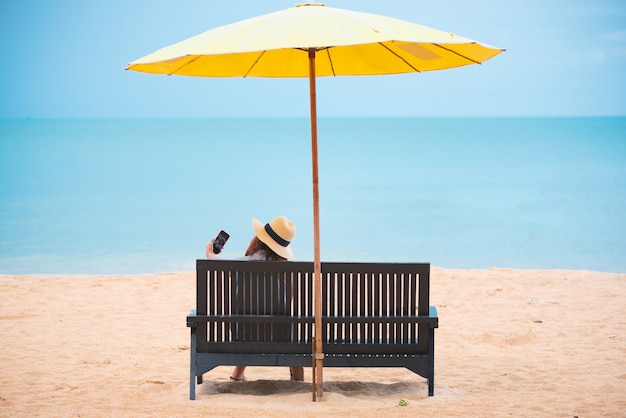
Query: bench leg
[[192, 366], [431, 363]]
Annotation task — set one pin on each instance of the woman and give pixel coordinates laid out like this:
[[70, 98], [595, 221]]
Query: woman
[[270, 243]]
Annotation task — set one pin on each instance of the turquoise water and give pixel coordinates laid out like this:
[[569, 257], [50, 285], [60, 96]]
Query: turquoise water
[[135, 196]]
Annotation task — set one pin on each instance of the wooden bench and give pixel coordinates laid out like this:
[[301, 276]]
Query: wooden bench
[[261, 313]]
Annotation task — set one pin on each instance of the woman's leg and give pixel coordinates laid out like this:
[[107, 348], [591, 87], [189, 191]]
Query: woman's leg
[[238, 374], [297, 373]]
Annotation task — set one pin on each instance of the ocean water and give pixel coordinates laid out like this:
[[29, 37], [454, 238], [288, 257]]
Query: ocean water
[[142, 196]]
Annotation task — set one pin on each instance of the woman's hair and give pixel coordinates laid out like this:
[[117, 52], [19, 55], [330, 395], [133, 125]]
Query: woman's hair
[[258, 247]]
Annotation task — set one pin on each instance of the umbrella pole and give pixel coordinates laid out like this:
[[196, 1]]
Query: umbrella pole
[[318, 354]]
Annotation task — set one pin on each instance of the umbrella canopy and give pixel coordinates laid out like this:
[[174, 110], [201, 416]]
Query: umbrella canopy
[[312, 40], [351, 44]]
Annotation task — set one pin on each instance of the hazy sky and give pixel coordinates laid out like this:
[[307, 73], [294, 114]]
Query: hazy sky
[[65, 59]]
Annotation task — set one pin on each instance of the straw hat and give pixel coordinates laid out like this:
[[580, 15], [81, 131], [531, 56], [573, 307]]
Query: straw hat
[[277, 234]]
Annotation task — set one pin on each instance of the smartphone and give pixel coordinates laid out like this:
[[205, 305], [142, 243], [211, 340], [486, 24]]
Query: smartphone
[[219, 242]]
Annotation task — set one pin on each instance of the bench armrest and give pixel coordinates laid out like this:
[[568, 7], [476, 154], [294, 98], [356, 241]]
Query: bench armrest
[[190, 318], [432, 313]]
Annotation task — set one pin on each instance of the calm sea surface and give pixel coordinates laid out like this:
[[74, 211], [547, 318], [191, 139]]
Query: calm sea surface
[[141, 196]]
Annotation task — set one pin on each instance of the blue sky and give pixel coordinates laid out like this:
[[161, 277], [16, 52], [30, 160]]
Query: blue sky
[[66, 59]]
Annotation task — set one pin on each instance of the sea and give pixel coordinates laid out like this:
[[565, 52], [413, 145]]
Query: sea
[[131, 196]]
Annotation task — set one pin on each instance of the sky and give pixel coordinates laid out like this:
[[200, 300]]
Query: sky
[[67, 59]]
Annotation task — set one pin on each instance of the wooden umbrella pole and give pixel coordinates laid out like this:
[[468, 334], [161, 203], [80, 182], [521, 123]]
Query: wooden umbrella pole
[[318, 354]]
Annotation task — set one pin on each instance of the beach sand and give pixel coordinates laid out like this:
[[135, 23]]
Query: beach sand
[[510, 343]]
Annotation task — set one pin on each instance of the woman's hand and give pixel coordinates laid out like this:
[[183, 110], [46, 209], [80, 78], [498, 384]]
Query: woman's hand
[[209, 250]]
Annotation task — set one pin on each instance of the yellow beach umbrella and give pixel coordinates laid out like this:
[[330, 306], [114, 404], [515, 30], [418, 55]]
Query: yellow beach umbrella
[[312, 40]]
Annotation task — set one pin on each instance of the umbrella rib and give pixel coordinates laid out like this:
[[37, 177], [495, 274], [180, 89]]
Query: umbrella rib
[[332, 68], [398, 56], [197, 57], [254, 63], [456, 53]]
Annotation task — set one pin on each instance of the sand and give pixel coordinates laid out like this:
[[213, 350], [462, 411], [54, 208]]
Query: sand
[[510, 343]]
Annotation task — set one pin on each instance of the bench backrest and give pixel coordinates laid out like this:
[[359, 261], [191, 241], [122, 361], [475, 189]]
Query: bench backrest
[[272, 303]]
